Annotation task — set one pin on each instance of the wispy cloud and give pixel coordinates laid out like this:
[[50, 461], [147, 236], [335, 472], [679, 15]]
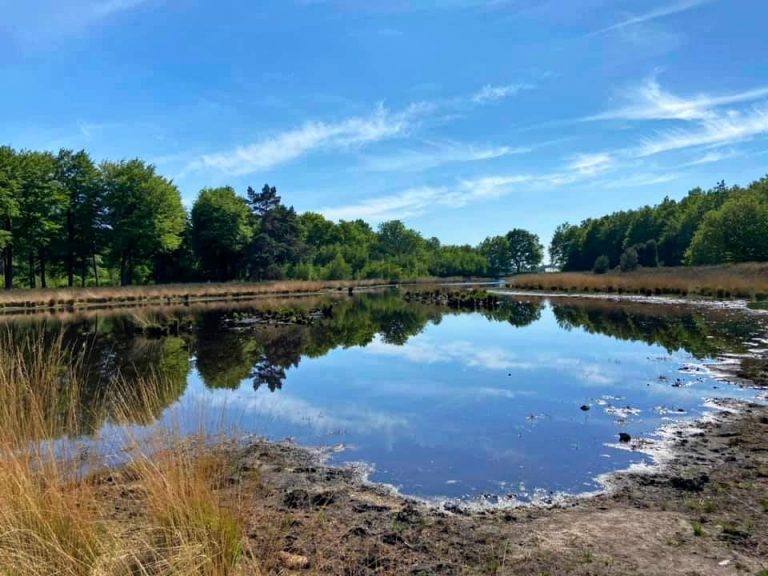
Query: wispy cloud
[[704, 120], [382, 124], [289, 145], [713, 157], [438, 154], [639, 180], [577, 169], [660, 12], [723, 129], [410, 202], [591, 164], [425, 351], [38, 22], [490, 93], [650, 102], [416, 201], [298, 412]]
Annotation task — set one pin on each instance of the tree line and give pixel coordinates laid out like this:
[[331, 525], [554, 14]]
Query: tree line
[[717, 226], [66, 220]]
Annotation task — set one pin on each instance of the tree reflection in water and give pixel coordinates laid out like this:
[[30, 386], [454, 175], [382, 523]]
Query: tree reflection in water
[[228, 348]]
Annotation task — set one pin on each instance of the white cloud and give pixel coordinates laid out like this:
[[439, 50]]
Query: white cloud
[[410, 202], [286, 146], [705, 120], [425, 351], [719, 130], [660, 12], [438, 155], [650, 102], [712, 158], [296, 411], [35, 23], [490, 93], [637, 180], [416, 201], [381, 124], [591, 164]]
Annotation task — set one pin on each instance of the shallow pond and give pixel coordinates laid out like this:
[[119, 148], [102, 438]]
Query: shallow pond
[[522, 401]]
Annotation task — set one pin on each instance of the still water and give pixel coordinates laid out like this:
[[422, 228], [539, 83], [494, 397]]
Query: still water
[[525, 400]]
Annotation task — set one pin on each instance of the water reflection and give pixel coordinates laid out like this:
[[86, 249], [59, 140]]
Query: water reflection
[[442, 402], [698, 331]]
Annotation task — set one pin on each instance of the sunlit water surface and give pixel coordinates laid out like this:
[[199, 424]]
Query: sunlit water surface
[[451, 405]]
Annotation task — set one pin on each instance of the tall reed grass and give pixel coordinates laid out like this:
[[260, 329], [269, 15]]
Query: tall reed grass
[[734, 281], [59, 516], [57, 299]]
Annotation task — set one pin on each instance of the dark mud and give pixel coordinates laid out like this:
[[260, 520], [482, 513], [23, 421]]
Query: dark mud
[[702, 510]]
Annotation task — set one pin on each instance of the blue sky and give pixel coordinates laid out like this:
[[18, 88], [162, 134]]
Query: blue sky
[[464, 118]]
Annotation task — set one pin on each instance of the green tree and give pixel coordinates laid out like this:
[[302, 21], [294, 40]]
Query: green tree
[[496, 251], [525, 250], [145, 214], [565, 242], [221, 232], [602, 265], [457, 261], [396, 240], [356, 241], [317, 231], [277, 241], [9, 209], [337, 269], [42, 204], [629, 260], [737, 232], [84, 223]]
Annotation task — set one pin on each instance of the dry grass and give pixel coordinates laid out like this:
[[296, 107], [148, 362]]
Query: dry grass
[[78, 298], [57, 516], [70, 299], [734, 281]]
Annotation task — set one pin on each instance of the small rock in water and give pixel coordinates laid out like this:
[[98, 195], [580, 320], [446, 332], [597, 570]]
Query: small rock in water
[[584, 408], [624, 437]]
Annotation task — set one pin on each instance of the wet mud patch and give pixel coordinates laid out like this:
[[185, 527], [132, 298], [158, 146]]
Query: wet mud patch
[[704, 511]]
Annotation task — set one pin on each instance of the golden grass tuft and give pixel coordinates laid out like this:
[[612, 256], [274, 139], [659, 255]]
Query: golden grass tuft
[[57, 516], [192, 532]]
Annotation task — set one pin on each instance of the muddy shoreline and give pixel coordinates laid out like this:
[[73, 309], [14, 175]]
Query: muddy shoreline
[[702, 508]]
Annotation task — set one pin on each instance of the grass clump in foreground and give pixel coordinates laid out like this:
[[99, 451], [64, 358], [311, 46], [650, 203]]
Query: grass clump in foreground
[[748, 281], [60, 511]]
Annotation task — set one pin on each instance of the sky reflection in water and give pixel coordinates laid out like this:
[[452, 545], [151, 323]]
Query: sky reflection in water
[[471, 407]]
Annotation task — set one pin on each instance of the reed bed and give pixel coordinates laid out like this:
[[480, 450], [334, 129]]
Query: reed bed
[[748, 281], [78, 298], [160, 514], [70, 299]]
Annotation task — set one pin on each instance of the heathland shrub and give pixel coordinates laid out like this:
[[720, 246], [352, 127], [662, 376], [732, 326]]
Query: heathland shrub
[[602, 265]]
